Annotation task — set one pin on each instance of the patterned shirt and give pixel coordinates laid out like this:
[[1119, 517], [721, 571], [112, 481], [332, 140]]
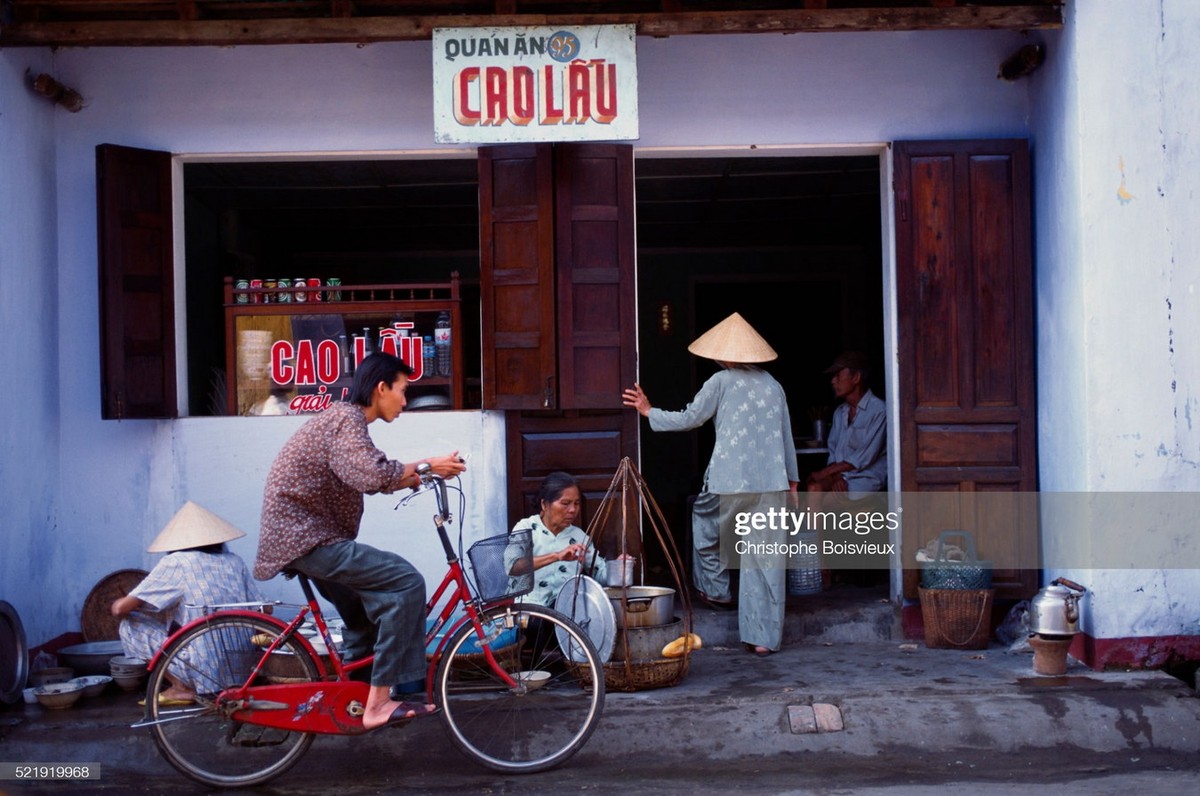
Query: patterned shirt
[[192, 578], [548, 580], [177, 591], [314, 492], [754, 450]]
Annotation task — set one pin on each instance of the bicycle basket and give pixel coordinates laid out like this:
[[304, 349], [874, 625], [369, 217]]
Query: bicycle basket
[[495, 560]]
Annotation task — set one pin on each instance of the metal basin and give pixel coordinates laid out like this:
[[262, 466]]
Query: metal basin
[[642, 606]]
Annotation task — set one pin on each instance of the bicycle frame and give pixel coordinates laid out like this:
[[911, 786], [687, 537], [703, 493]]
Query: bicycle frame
[[334, 704]]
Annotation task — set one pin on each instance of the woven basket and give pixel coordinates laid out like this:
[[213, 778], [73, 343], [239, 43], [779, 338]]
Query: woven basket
[[637, 675], [968, 573], [803, 581], [957, 618], [804, 571], [97, 621]]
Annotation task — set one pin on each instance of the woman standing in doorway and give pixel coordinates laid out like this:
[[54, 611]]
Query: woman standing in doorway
[[753, 457]]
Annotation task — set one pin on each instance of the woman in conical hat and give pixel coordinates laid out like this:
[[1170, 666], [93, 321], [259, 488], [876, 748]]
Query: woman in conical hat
[[753, 456], [197, 571]]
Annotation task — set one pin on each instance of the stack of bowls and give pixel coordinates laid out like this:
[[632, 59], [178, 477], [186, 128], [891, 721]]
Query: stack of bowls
[[129, 673], [57, 696]]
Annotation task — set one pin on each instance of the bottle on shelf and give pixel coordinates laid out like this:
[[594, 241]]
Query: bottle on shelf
[[428, 357], [441, 343]]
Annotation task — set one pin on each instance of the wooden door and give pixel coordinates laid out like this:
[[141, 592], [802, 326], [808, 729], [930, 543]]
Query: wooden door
[[597, 338], [137, 299], [516, 270], [968, 419], [557, 276]]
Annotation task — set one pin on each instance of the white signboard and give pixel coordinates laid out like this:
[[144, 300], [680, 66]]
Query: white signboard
[[514, 85]]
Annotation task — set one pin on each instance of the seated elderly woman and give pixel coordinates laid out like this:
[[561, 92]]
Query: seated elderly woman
[[561, 549]]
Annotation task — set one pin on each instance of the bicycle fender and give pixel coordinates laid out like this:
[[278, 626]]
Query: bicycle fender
[[329, 708]]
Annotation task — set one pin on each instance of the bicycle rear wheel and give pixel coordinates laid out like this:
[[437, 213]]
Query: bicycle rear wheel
[[199, 739], [543, 722]]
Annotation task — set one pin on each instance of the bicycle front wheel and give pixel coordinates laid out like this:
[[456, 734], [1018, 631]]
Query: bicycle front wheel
[[200, 739], [551, 712]]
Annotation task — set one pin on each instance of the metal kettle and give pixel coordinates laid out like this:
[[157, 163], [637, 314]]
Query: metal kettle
[[1054, 610]]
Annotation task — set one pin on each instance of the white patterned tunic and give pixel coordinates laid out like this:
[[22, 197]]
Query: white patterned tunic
[[178, 582], [754, 450], [548, 580]]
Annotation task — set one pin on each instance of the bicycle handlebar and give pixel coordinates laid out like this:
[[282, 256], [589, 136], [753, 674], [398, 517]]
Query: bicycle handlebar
[[427, 479]]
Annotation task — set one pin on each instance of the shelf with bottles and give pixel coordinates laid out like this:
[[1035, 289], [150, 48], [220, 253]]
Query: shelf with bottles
[[296, 357]]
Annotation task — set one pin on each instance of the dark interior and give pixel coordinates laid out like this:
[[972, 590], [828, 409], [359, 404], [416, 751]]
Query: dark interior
[[792, 243]]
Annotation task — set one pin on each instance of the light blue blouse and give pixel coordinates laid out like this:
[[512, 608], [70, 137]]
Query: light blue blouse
[[862, 444], [754, 451]]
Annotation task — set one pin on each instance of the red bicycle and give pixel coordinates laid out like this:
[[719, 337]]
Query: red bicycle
[[520, 686]]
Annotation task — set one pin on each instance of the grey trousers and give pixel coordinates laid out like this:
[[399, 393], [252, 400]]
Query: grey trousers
[[762, 580], [381, 598]]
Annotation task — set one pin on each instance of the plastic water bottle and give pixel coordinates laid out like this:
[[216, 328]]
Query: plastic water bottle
[[428, 357], [441, 342]]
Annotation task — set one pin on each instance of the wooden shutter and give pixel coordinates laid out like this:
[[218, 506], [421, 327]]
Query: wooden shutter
[[964, 271], [137, 301], [597, 338], [516, 198]]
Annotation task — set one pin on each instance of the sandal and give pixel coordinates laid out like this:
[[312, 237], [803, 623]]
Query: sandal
[[761, 652]]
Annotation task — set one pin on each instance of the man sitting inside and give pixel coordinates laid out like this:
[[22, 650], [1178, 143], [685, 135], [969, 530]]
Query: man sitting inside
[[858, 436]]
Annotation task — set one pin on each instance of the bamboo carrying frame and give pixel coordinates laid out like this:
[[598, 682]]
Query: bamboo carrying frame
[[625, 504]]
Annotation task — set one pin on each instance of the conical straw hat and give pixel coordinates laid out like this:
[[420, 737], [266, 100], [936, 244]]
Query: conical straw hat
[[733, 340], [193, 526]]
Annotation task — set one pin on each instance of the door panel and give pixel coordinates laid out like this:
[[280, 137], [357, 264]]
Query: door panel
[[137, 300], [584, 341], [966, 344], [589, 446], [516, 252], [597, 337]]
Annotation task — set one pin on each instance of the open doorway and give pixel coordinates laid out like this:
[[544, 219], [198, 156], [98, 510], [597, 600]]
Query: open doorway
[[792, 243]]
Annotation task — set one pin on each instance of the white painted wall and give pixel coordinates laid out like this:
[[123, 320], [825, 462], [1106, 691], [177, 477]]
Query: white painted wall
[[116, 483], [1117, 110], [30, 537]]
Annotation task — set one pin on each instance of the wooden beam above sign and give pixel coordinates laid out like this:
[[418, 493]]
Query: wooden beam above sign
[[124, 23]]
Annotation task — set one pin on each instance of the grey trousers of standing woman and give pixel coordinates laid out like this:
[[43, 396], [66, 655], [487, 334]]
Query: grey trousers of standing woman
[[381, 598], [762, 579]]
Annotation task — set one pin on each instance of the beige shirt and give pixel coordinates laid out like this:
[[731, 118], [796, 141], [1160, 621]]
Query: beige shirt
[[314, 492]]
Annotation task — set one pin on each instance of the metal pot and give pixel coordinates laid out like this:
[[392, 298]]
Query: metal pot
[[642, 606], [1054, 611], [645, 643], [620, 571]]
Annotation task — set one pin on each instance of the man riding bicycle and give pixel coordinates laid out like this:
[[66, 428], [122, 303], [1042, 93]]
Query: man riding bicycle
[[312, 508]]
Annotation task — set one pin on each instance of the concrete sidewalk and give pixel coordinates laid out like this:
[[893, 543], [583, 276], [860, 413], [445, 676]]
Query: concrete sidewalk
[[891, 696]]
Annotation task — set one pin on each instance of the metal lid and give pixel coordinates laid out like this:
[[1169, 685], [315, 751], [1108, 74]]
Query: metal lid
[[584, 601]]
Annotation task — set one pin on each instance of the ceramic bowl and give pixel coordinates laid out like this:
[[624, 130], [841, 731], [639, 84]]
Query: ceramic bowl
[[533, 678], [130, 682], [121, 665], [57, 696], [54, 674], [93, 684]]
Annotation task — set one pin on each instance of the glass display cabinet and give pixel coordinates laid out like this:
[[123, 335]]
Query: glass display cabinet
[[293, 349]]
